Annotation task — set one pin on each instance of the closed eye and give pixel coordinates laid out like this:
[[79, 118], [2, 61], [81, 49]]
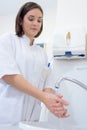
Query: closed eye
[[32, 18]]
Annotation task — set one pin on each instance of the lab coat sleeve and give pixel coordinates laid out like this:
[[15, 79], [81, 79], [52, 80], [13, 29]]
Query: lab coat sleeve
[[51, 79], [7, 60]]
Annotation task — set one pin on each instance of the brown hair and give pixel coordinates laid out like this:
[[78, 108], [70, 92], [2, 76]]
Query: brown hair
[[22, 12]]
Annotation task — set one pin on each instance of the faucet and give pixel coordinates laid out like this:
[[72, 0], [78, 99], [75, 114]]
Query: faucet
[[71, 80]]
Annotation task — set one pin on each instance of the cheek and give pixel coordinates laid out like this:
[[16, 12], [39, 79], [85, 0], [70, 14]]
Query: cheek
[[25, 26], [25, 23]]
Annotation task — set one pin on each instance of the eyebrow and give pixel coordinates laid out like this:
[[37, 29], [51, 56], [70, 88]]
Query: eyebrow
[[34, 16]]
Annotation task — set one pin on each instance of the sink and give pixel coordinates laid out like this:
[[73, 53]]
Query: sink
[[6, 127], [49, 126], [36, 126], [42, 126]]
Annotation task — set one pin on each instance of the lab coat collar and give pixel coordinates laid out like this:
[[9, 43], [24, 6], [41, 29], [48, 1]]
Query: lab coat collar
[[26, 39]]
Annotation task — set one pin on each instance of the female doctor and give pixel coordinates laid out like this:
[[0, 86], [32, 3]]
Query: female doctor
[[22, 86]]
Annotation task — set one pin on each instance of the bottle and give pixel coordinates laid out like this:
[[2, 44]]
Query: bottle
[[68, 38]]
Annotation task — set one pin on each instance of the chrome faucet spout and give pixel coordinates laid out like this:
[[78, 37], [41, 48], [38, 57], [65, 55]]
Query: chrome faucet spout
[[71, 80]]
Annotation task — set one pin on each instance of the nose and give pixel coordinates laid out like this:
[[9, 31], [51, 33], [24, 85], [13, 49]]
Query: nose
[[35, 22]]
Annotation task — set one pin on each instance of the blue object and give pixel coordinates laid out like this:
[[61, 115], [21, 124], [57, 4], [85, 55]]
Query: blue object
[[69, 54], [48, 65]]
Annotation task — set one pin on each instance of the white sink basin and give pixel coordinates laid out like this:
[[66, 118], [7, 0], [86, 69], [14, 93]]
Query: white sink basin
[[41, 126], [48, 126], [10, 127], [36, 126]]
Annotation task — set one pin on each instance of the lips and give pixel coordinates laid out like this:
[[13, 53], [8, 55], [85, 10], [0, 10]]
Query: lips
[[35, 29]]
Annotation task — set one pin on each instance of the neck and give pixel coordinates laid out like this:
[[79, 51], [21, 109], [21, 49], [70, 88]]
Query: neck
[[31, 41]]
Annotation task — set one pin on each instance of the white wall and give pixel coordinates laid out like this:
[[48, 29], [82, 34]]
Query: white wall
[[7, 24], [70, 13]]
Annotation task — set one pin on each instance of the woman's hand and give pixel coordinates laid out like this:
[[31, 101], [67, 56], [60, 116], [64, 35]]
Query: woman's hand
[[55, 104]]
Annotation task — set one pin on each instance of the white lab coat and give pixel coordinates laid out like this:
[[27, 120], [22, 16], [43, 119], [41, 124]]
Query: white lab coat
[[18, 57]]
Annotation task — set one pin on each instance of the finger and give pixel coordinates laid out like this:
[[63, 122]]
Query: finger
[[57, 104], [59, 99], [59, 95], [64, 102], [65, 114], [58, 109], [61, 114]]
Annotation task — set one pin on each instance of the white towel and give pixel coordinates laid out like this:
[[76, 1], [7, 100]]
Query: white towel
[[74, 43]]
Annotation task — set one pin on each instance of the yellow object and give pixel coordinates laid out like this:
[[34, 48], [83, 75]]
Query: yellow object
[[68, 36]]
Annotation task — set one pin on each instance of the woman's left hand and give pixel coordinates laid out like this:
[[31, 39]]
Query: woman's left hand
[[59, 108], [55, 104]]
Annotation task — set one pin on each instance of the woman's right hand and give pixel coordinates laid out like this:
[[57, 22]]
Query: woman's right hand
[[55, 104]]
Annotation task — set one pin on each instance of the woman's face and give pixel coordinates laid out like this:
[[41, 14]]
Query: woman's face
[[32, 22]]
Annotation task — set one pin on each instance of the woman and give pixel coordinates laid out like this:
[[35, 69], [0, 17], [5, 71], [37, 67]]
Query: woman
[[22, 85]]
